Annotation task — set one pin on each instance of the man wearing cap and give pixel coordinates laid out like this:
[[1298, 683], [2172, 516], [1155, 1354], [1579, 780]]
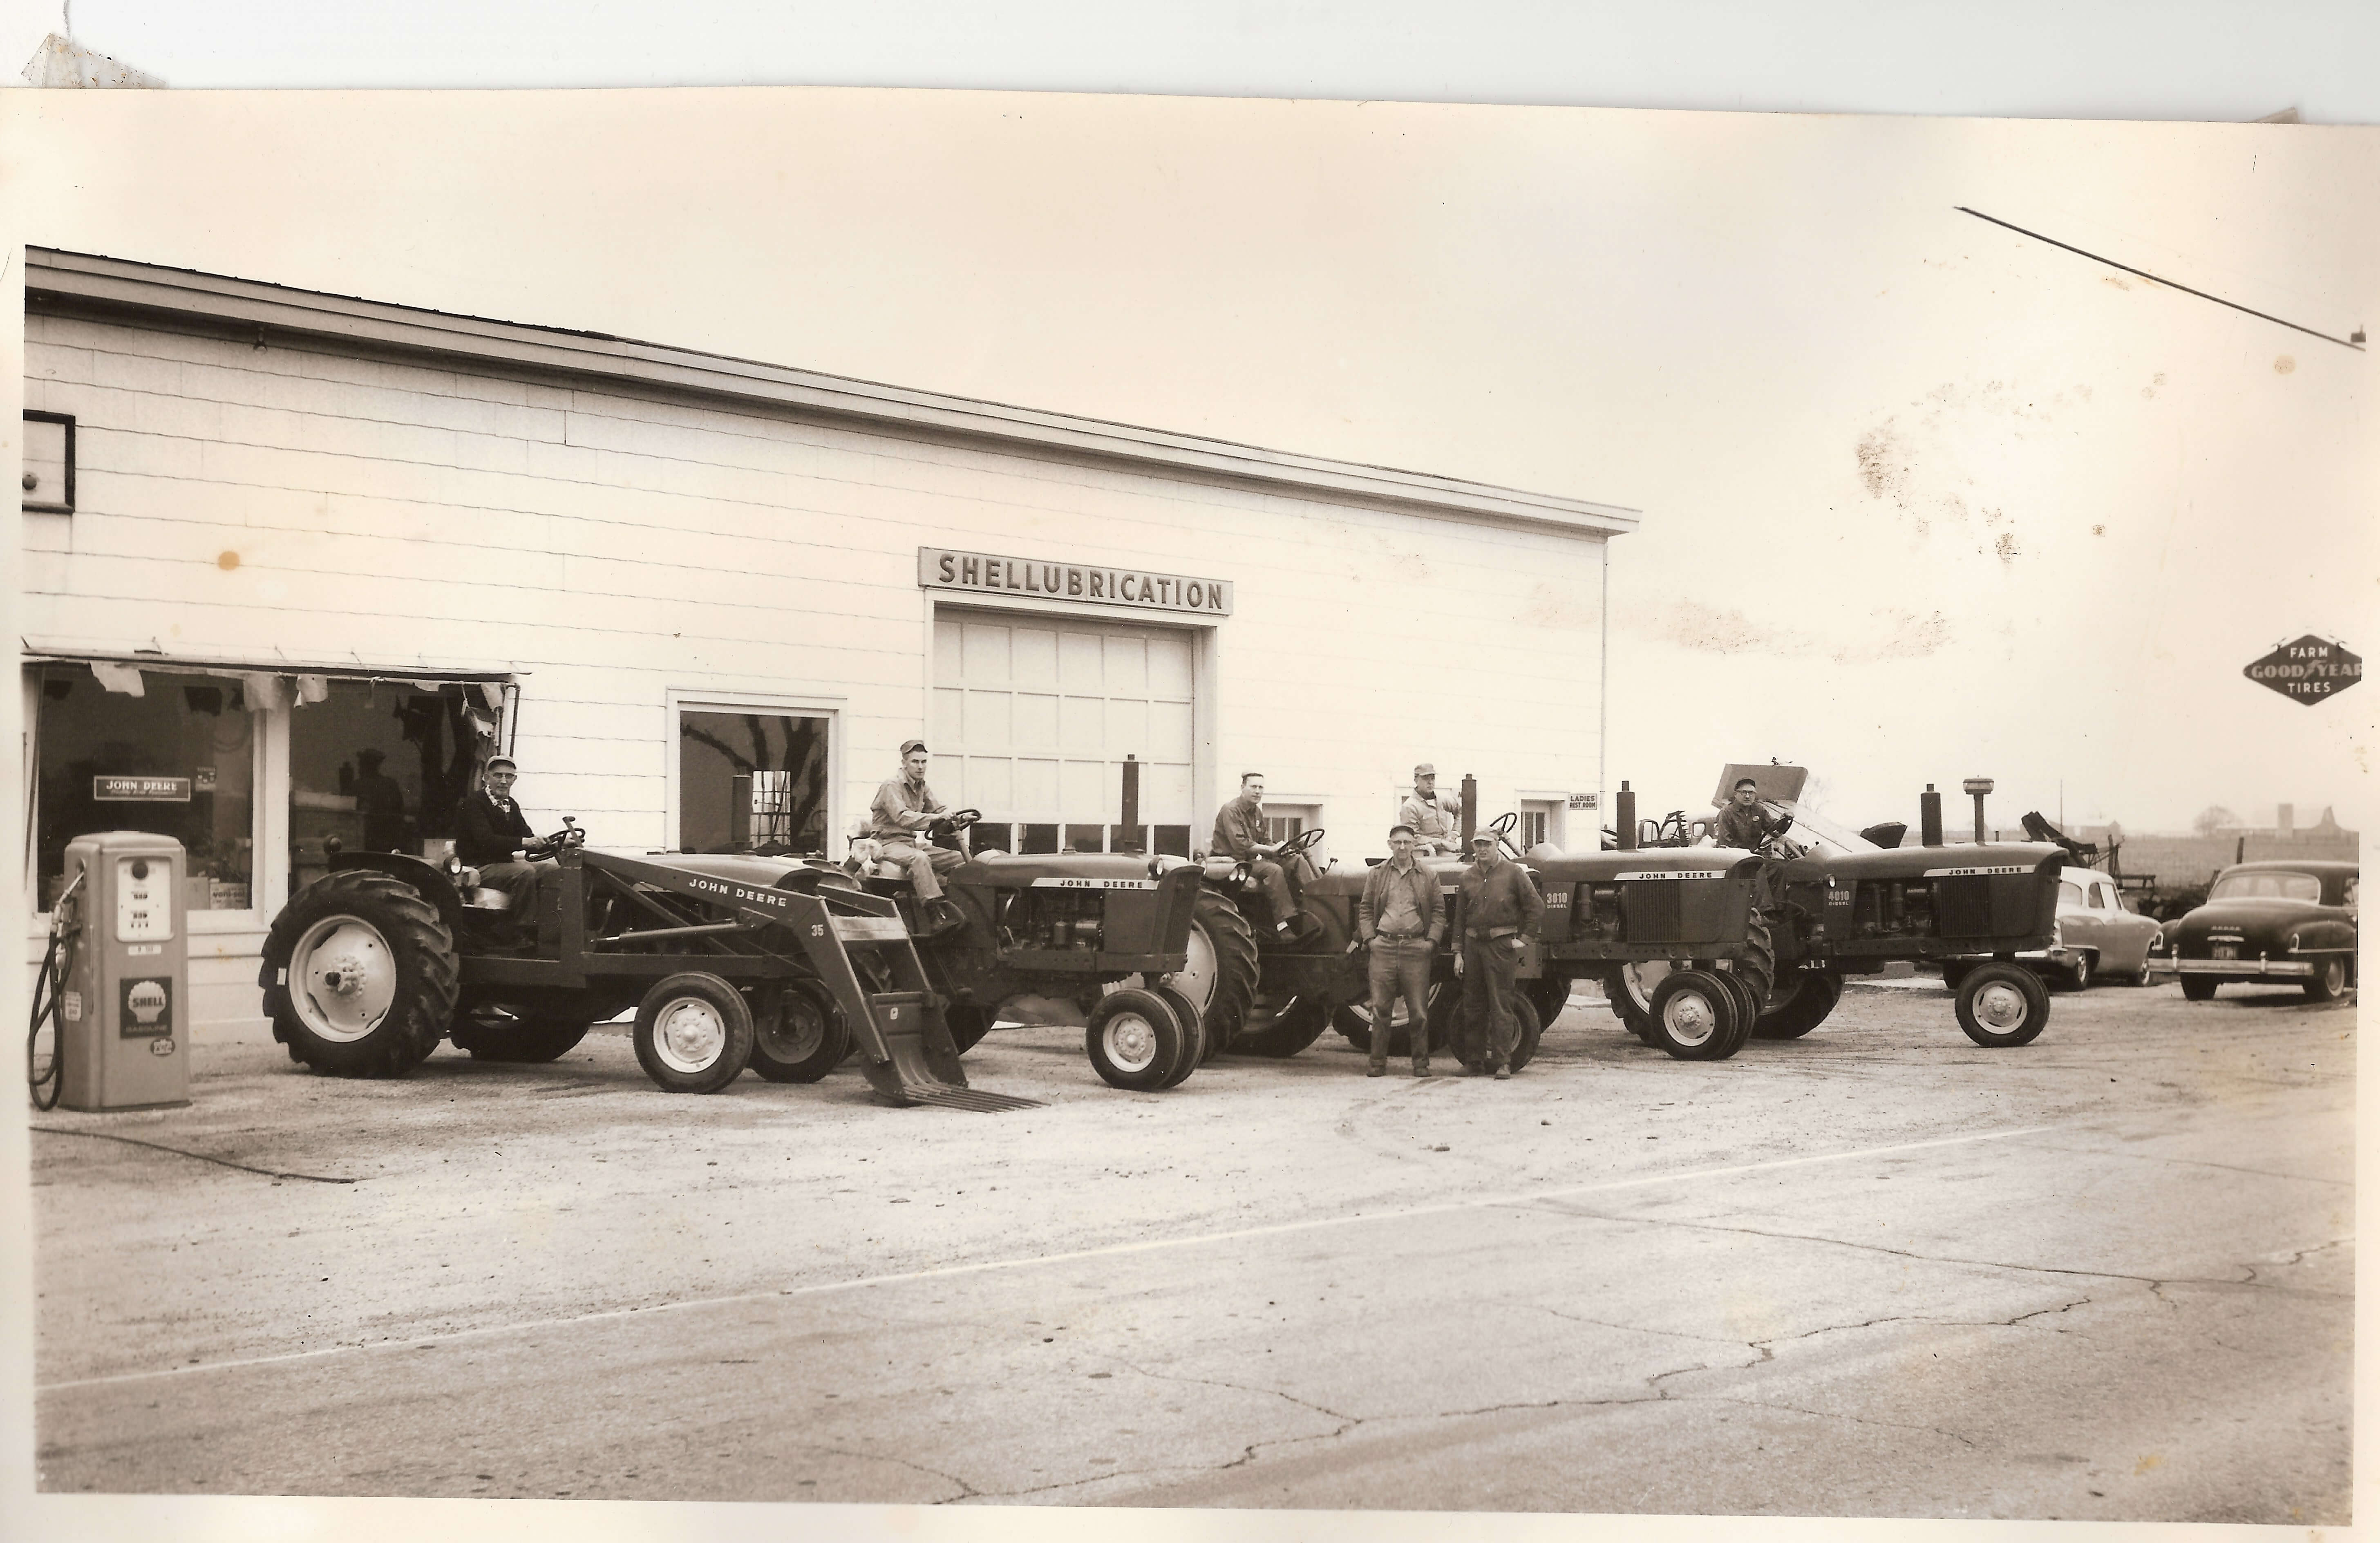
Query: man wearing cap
[[1240, 834], [381, 801], [493, 835], [1743, 822], [1499, 911], [1436, 817], [1398, 922], [903, 813]]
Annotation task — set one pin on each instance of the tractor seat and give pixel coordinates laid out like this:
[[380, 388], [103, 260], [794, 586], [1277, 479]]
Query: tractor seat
[[886, 870], [1220, 869], [487, 900]]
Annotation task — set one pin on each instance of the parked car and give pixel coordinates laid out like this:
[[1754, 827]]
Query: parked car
[[2099, 936], [2276, 919]]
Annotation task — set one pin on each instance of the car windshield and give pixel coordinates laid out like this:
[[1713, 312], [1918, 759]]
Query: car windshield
[[2267, 886]]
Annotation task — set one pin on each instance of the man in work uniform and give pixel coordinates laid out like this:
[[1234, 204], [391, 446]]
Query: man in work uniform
[[493, 835], [1743, 822], [1499, 910], [1240, 834], [904, 811], [1398, 923], [1436, 817]]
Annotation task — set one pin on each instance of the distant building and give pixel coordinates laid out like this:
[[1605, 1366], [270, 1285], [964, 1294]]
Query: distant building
[[2185, 861]]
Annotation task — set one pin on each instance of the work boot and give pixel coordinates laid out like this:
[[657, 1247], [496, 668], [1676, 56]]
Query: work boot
[[1503, 1073], [1421, 1068], [1377, 1069], [938, 916]]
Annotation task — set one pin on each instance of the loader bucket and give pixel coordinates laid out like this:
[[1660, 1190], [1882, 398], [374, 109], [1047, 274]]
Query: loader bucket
[[906, 1049], [920, 1063]]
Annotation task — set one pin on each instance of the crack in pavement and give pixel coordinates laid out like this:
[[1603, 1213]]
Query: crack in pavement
[[2198, 1162], [2153, 1283], [966, 1491]]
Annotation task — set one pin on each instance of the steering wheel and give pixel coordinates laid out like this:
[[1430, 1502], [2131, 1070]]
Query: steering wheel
[[570, 836], [1502, 825], [954, 822], [1300, 844]]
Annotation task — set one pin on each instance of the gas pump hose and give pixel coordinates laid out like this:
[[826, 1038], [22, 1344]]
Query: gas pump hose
[[49, 988]]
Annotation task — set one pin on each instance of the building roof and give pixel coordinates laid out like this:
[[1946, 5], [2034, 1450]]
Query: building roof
[[114, 285]]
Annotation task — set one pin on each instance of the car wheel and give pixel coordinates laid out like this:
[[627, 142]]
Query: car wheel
[[1693, 1016], [2001, 1005], [359, 976], [2199, 987], [2330, 980], [799, 1034], [1133, 1039], [694, 1033], [2078, 974], [2142, 977]]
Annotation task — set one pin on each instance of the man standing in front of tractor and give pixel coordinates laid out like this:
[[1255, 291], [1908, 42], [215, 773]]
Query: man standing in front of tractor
[[1500, 909], [1436, 817], [493, 835], [1240, 833], [1743, 822], [904, 811], [1399, 921]]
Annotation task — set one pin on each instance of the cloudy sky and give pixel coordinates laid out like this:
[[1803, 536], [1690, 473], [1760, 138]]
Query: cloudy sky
[[1924, 498]]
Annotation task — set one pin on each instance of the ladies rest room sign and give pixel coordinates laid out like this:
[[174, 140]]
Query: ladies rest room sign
[[1082, 583]]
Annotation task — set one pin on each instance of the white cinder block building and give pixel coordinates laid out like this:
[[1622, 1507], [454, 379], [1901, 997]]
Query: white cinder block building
[[295, 564]]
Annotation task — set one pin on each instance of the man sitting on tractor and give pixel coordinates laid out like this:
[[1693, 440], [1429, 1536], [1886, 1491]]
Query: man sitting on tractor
[[1436, 817], [905, 812], [493, 835], [1743, 822], [1240, 834]]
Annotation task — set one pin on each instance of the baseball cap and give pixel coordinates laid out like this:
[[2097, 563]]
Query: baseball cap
[[909, 745], [504, 762], [1483, 833], [1424, 770]]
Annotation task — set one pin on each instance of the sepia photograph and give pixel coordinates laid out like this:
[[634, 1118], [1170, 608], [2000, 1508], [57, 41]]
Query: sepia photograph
[[1569, 814]]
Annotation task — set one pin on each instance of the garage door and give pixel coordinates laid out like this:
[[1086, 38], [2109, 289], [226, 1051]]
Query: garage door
[[1033, 719]]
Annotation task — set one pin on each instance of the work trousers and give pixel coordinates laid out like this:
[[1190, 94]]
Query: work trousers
[[1400, 967], [1491, 1028], [1275, 884], [924, 865], [519, 882]]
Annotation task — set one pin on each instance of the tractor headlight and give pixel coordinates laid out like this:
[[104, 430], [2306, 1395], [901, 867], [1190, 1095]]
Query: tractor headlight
[[467, 878]]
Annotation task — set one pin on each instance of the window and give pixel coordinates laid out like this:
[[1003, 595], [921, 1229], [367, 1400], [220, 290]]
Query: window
[[175, 756], [2267, 886], [2069, 895], [1280, 826], [49, 474], [2100, 899], [752, 782], [1541, 821], [380, 766]]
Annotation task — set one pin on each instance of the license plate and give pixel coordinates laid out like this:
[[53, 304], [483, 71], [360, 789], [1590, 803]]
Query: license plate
[[2226, 951]]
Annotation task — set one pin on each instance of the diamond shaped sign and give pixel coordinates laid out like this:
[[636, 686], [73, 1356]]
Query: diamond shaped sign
[[2308, 671]]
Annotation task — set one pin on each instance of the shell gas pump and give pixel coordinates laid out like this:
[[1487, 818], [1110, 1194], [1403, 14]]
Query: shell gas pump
[[114, 982]]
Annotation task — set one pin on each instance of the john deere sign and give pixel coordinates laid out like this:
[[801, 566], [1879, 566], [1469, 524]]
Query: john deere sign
[[2308, 670]]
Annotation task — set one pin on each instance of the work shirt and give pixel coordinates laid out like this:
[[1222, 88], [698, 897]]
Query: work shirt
[[1240, 828], [1436, 818], [1400, 902], [902, 809], [1744, 827], [1500, 901]]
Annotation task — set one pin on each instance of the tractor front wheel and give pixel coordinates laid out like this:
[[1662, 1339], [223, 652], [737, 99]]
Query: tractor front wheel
[[359, 976], [1693, 1016], [799, 1033], [1297, 1025], [1133, 1039], [2002, 1005], [694, 1033]]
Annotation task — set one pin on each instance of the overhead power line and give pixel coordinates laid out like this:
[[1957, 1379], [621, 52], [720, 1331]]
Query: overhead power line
[[2355, 342]]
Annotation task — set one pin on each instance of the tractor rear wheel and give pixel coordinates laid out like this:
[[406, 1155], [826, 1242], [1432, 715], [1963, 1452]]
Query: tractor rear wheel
[[1629, 990], [359, 976], [694, 1033], [1297, 1025], [1799, 1005], [2001, 1005], [798, 1032], [1532, 1028], [967, 1023], [1549, 994], [1355, 1022], [1132, 1039]]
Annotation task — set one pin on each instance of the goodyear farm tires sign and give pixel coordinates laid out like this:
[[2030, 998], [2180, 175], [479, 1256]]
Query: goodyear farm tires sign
[[2308, 671]]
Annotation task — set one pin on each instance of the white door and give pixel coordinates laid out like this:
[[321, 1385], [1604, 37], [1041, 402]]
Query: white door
[[1033, 719]]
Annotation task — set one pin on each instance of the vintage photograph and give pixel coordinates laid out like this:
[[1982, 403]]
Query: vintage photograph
[[1401, 807]]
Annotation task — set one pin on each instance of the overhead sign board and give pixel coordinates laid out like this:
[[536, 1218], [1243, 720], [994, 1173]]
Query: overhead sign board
[[2307, 671], [140, 790], [1071, 583]]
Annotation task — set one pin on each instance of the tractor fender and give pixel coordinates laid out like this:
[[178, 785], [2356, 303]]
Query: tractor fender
[[433, 882]]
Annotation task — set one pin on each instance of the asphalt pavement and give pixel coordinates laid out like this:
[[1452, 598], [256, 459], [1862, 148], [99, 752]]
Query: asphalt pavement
[[1879, 1271]]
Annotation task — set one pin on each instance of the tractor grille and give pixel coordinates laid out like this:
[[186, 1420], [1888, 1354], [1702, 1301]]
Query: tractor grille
[[945, 1097], [1651, 911], [1962, 907]]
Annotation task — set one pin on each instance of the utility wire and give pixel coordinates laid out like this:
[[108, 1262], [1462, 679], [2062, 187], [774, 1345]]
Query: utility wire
[[2354, 342]]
